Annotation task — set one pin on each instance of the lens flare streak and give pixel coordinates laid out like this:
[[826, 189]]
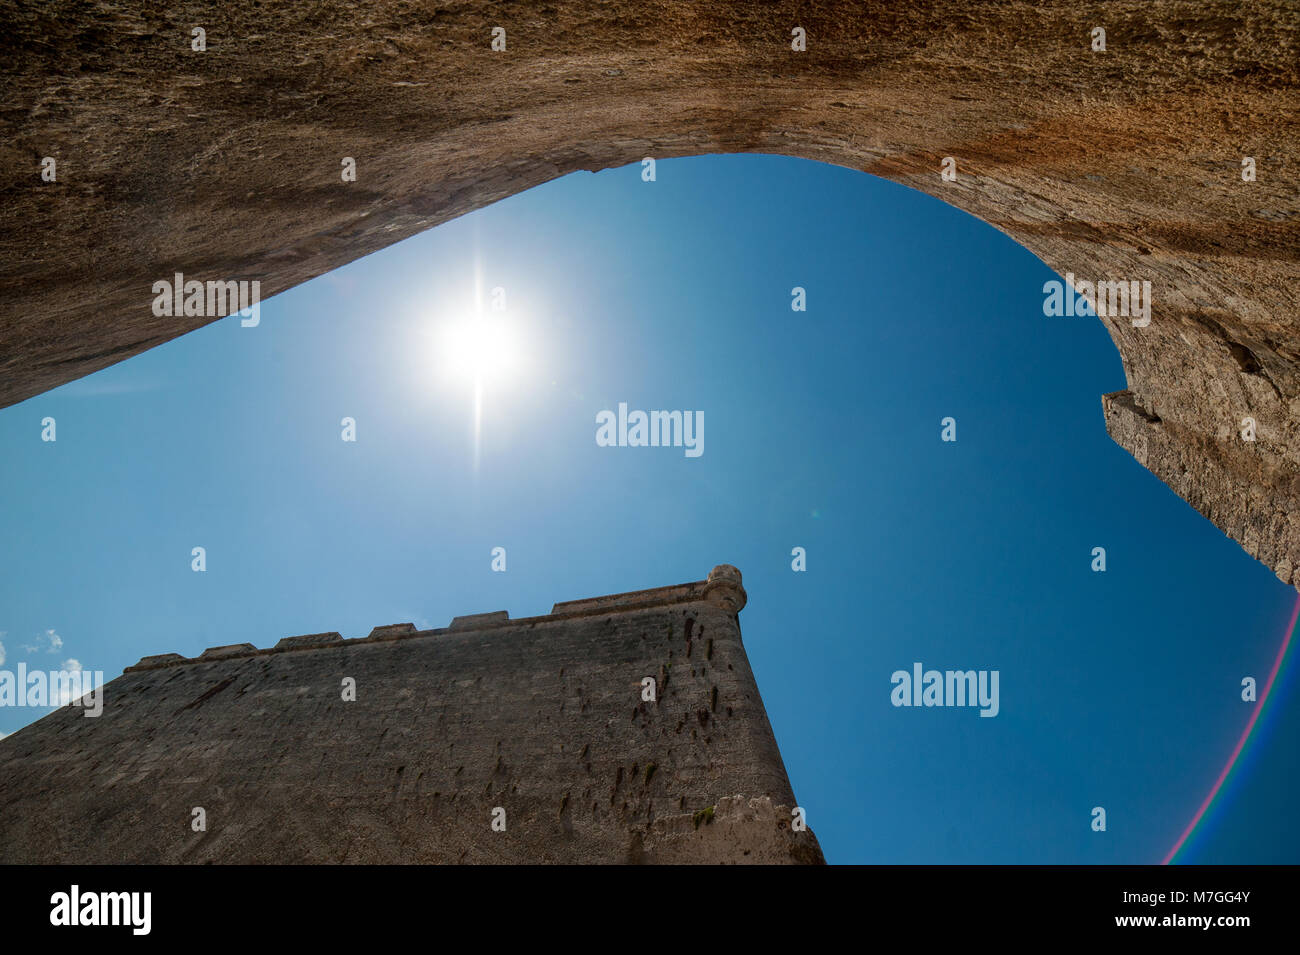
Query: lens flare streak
[[1241, 743]]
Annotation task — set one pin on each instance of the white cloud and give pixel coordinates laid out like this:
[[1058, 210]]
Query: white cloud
[[49, 641], [70, 665], [2, 653]]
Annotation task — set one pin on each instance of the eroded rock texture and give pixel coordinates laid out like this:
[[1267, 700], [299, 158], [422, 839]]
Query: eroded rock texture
[[1123, 164]]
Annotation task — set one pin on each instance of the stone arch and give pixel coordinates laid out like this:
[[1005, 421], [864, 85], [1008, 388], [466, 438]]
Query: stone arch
[[1122, 164]]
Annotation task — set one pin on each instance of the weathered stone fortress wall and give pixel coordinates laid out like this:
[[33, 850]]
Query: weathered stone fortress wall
[[543, 717], [1123, 164]]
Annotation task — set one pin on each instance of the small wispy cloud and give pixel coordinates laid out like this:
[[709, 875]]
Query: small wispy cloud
[[49, 641]]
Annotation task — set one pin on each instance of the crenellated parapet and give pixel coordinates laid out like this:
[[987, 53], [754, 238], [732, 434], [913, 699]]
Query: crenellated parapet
[[616, 729], [722, 587]]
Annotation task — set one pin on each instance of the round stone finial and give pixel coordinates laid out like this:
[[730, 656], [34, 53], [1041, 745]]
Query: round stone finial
[[724, 588], [725, 570]]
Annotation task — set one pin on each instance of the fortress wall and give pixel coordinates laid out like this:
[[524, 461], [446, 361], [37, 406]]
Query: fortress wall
[[542, 717]]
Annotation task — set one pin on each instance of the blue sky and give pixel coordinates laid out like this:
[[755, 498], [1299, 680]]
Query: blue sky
[[1117, 689]]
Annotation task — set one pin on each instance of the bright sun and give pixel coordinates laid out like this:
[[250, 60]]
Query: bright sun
[[480, 348], [484, 351]]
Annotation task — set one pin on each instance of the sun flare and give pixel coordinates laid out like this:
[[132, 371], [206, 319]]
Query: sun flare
[[481, 349]]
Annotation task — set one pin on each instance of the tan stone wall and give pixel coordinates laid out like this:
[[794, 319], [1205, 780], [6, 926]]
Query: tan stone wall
[[542, 717], [1123, 164]]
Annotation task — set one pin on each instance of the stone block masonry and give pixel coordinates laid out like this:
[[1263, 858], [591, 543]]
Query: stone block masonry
[[1123, 165], [542, 717]]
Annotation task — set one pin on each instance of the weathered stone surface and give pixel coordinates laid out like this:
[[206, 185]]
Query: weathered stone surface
[[392, 631], [159, 660], [541, 716], [475, 621], [737, 831], [230, 650], [309, 640], [1116, 165]]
